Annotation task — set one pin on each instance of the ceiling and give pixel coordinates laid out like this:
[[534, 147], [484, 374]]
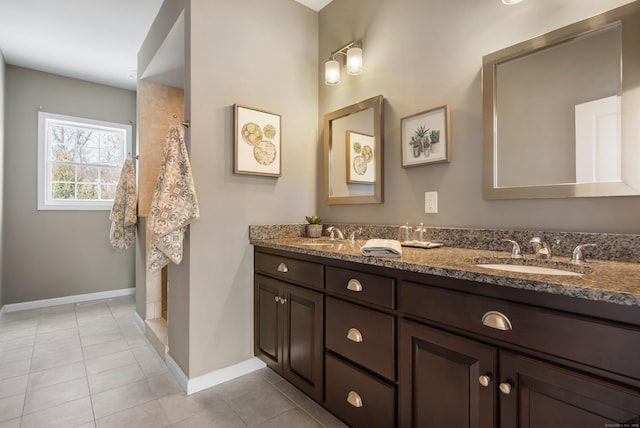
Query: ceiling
[[94, 40]]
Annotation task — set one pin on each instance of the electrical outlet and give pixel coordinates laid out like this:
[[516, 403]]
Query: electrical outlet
[[431, 202]]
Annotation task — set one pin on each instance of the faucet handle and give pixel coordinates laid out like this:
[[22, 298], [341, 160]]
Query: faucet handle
[[577, 257], [515, 251]]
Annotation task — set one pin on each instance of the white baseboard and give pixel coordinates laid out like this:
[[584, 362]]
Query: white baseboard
[[213, 378], [37, 304], [137, 319]]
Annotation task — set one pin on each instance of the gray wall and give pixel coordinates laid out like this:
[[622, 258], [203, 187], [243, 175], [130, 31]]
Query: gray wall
[[49, 254], [264, 55], [424, 54], [2, 91]]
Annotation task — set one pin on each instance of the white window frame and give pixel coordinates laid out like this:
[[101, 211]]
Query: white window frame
[[44, 166]]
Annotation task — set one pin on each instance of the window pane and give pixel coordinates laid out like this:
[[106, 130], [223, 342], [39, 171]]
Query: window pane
[[87, 138], [62, 191], [88, 154], [88, 174], [63, 172], [111, 148], [87, 191], [108, 192], [62, 141], [110, 175]]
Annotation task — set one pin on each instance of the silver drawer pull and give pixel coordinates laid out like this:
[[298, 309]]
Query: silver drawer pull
[[277, 299], [283, 268], [354, 399], [496, 320], [354, 335], [354, 285]]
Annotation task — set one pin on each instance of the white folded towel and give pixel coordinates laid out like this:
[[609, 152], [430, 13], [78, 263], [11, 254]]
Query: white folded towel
[[382, 248]]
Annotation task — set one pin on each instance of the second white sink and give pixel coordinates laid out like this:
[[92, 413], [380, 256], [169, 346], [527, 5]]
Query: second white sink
[[529, 269]]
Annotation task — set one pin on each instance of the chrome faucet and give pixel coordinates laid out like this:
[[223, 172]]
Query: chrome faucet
[[333, 231], [352, 235], [541, 248], [577, 257], [515, 251]]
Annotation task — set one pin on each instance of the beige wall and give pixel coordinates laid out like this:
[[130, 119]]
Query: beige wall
[[264, 55], [49, 254], [2, 102], [424, 54]]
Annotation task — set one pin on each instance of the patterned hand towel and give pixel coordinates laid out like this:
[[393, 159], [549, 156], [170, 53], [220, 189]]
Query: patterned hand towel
[[124, 214], [174, 205], [382, 248]]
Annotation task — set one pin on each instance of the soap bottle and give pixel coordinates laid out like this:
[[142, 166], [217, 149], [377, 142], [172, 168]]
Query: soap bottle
[[404, 233], [420, 234]]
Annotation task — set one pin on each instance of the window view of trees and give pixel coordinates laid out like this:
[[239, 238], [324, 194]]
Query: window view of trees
[[84, 161]]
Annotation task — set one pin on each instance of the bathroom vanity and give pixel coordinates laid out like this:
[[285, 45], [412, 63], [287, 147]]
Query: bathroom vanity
[[431, 339]]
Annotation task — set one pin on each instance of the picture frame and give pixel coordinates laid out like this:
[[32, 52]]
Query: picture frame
[[361, 157], [257, 142], [426, 138]]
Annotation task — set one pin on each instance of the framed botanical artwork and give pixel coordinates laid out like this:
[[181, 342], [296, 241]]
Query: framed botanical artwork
[[257, 142], [360, 158], [426, 138]]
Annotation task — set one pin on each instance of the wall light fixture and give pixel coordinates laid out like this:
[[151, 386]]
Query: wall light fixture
[[353, 53], [511, 1]]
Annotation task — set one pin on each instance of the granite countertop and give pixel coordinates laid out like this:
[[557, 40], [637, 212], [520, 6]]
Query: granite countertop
[[608, 281]]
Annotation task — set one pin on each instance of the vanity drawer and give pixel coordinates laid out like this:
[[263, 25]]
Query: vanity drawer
[[604, 345], [358, 398], [292, 270], [369, 288], [362, 335]]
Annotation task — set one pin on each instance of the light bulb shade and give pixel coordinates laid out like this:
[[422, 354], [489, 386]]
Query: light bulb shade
[[354, 61], [332, 72]]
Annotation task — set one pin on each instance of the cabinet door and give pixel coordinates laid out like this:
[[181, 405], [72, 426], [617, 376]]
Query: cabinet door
[[544, 395], [439, 379], [268, 323], [303, 339]]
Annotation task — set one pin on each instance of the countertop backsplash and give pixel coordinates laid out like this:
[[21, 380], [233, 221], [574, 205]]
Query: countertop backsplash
[[609, 246]]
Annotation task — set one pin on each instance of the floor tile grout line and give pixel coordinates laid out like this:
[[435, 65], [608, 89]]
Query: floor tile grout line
[[84, 364]]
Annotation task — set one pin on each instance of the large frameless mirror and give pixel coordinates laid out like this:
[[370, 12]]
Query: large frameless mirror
[[560, 111], [353, 154]]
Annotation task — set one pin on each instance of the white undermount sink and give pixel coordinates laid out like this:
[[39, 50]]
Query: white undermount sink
[[529, 269]]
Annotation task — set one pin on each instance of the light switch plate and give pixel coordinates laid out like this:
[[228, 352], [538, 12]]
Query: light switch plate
[[431, 202]]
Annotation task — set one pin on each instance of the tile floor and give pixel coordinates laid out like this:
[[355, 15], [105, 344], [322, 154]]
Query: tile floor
[[89, 365]]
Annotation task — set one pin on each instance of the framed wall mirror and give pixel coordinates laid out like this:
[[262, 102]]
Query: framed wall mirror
[[560, 112], [353, 153]]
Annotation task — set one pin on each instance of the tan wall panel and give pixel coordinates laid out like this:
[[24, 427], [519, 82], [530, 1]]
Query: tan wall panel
[[159, 107]]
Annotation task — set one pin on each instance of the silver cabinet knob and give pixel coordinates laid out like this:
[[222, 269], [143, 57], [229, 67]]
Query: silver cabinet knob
[[282, 267], [283, 300], [484, 380], [354, 399], [505, 388], [354, 335], [354, 285], [277, 299], [497, 320]]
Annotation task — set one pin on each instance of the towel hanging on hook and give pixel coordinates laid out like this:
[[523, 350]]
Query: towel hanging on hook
[[184, 123]]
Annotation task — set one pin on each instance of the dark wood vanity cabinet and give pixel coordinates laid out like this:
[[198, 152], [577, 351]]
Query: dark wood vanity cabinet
[[449, 379], [288, 325], [439, 375], [380, 347]]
